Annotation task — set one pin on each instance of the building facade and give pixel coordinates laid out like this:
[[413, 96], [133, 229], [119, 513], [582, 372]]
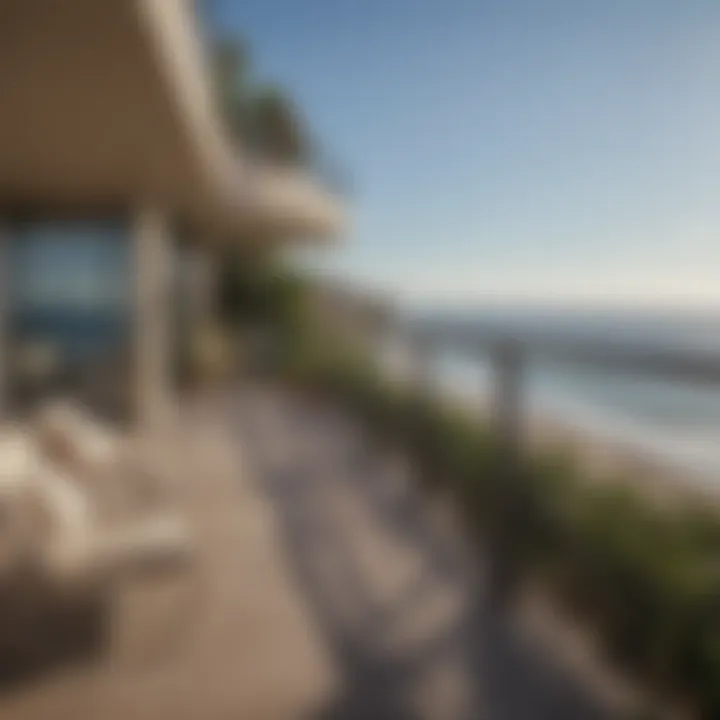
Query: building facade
[[110, 140]]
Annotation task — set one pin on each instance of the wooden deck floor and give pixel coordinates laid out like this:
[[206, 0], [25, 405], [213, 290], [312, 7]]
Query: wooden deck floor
[[396, 592], [324, 589]]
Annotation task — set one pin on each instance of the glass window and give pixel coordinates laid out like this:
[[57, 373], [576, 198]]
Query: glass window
[[70, 285]]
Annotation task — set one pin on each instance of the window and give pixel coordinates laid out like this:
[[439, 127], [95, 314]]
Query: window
[[71, 284]]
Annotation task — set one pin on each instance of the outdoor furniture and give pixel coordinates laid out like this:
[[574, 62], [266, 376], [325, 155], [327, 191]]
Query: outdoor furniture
[[68, 536]]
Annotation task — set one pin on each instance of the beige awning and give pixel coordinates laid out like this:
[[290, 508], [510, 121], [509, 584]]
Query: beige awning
[[107, 102]]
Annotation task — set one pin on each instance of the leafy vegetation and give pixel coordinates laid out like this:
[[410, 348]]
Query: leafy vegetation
[[647, 579], [261, 117]]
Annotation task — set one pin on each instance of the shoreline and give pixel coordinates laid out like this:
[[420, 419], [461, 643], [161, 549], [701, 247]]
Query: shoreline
[[617, 461], [602, 459]]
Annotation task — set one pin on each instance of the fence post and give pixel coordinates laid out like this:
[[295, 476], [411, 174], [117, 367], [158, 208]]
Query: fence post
[[422, 351], [420, 386], [506, 519], [507, 361]]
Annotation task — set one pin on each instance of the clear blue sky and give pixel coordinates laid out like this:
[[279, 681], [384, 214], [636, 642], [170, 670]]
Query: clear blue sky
[[512, 149]]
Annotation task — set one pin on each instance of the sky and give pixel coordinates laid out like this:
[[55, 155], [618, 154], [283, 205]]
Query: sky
[[511, 150]]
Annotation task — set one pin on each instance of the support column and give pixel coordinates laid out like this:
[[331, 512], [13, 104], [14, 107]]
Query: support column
[[152, 348], [5, 277], [203, 274]]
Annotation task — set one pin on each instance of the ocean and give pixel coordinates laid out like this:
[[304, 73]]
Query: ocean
[[79, 334], [674, 423]]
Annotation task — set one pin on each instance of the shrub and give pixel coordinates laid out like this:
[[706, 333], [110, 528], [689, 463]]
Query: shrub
[[648, 580]]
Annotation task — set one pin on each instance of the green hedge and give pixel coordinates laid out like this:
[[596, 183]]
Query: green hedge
[[646, 579]]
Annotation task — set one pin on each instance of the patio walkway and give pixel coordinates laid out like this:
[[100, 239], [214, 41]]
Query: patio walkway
[[324, 589], [231, 640], [395, 591]]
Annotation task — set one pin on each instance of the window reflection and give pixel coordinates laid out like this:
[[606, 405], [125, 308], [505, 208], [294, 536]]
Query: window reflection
[[70, 300]]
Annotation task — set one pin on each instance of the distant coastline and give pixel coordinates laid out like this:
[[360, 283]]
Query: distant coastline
[[618, 423]]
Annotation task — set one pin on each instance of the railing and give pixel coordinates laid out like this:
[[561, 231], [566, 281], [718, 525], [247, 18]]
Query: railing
[[510, 353], [660, 361]]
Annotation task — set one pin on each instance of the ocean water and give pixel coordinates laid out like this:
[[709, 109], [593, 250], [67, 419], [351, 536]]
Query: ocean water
[[675, 423], [77, 334]]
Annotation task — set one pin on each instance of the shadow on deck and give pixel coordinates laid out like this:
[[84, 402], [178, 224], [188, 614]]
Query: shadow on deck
[[396, 594]]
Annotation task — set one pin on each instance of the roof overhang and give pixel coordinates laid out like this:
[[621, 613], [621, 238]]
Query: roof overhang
[[107, 102]]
